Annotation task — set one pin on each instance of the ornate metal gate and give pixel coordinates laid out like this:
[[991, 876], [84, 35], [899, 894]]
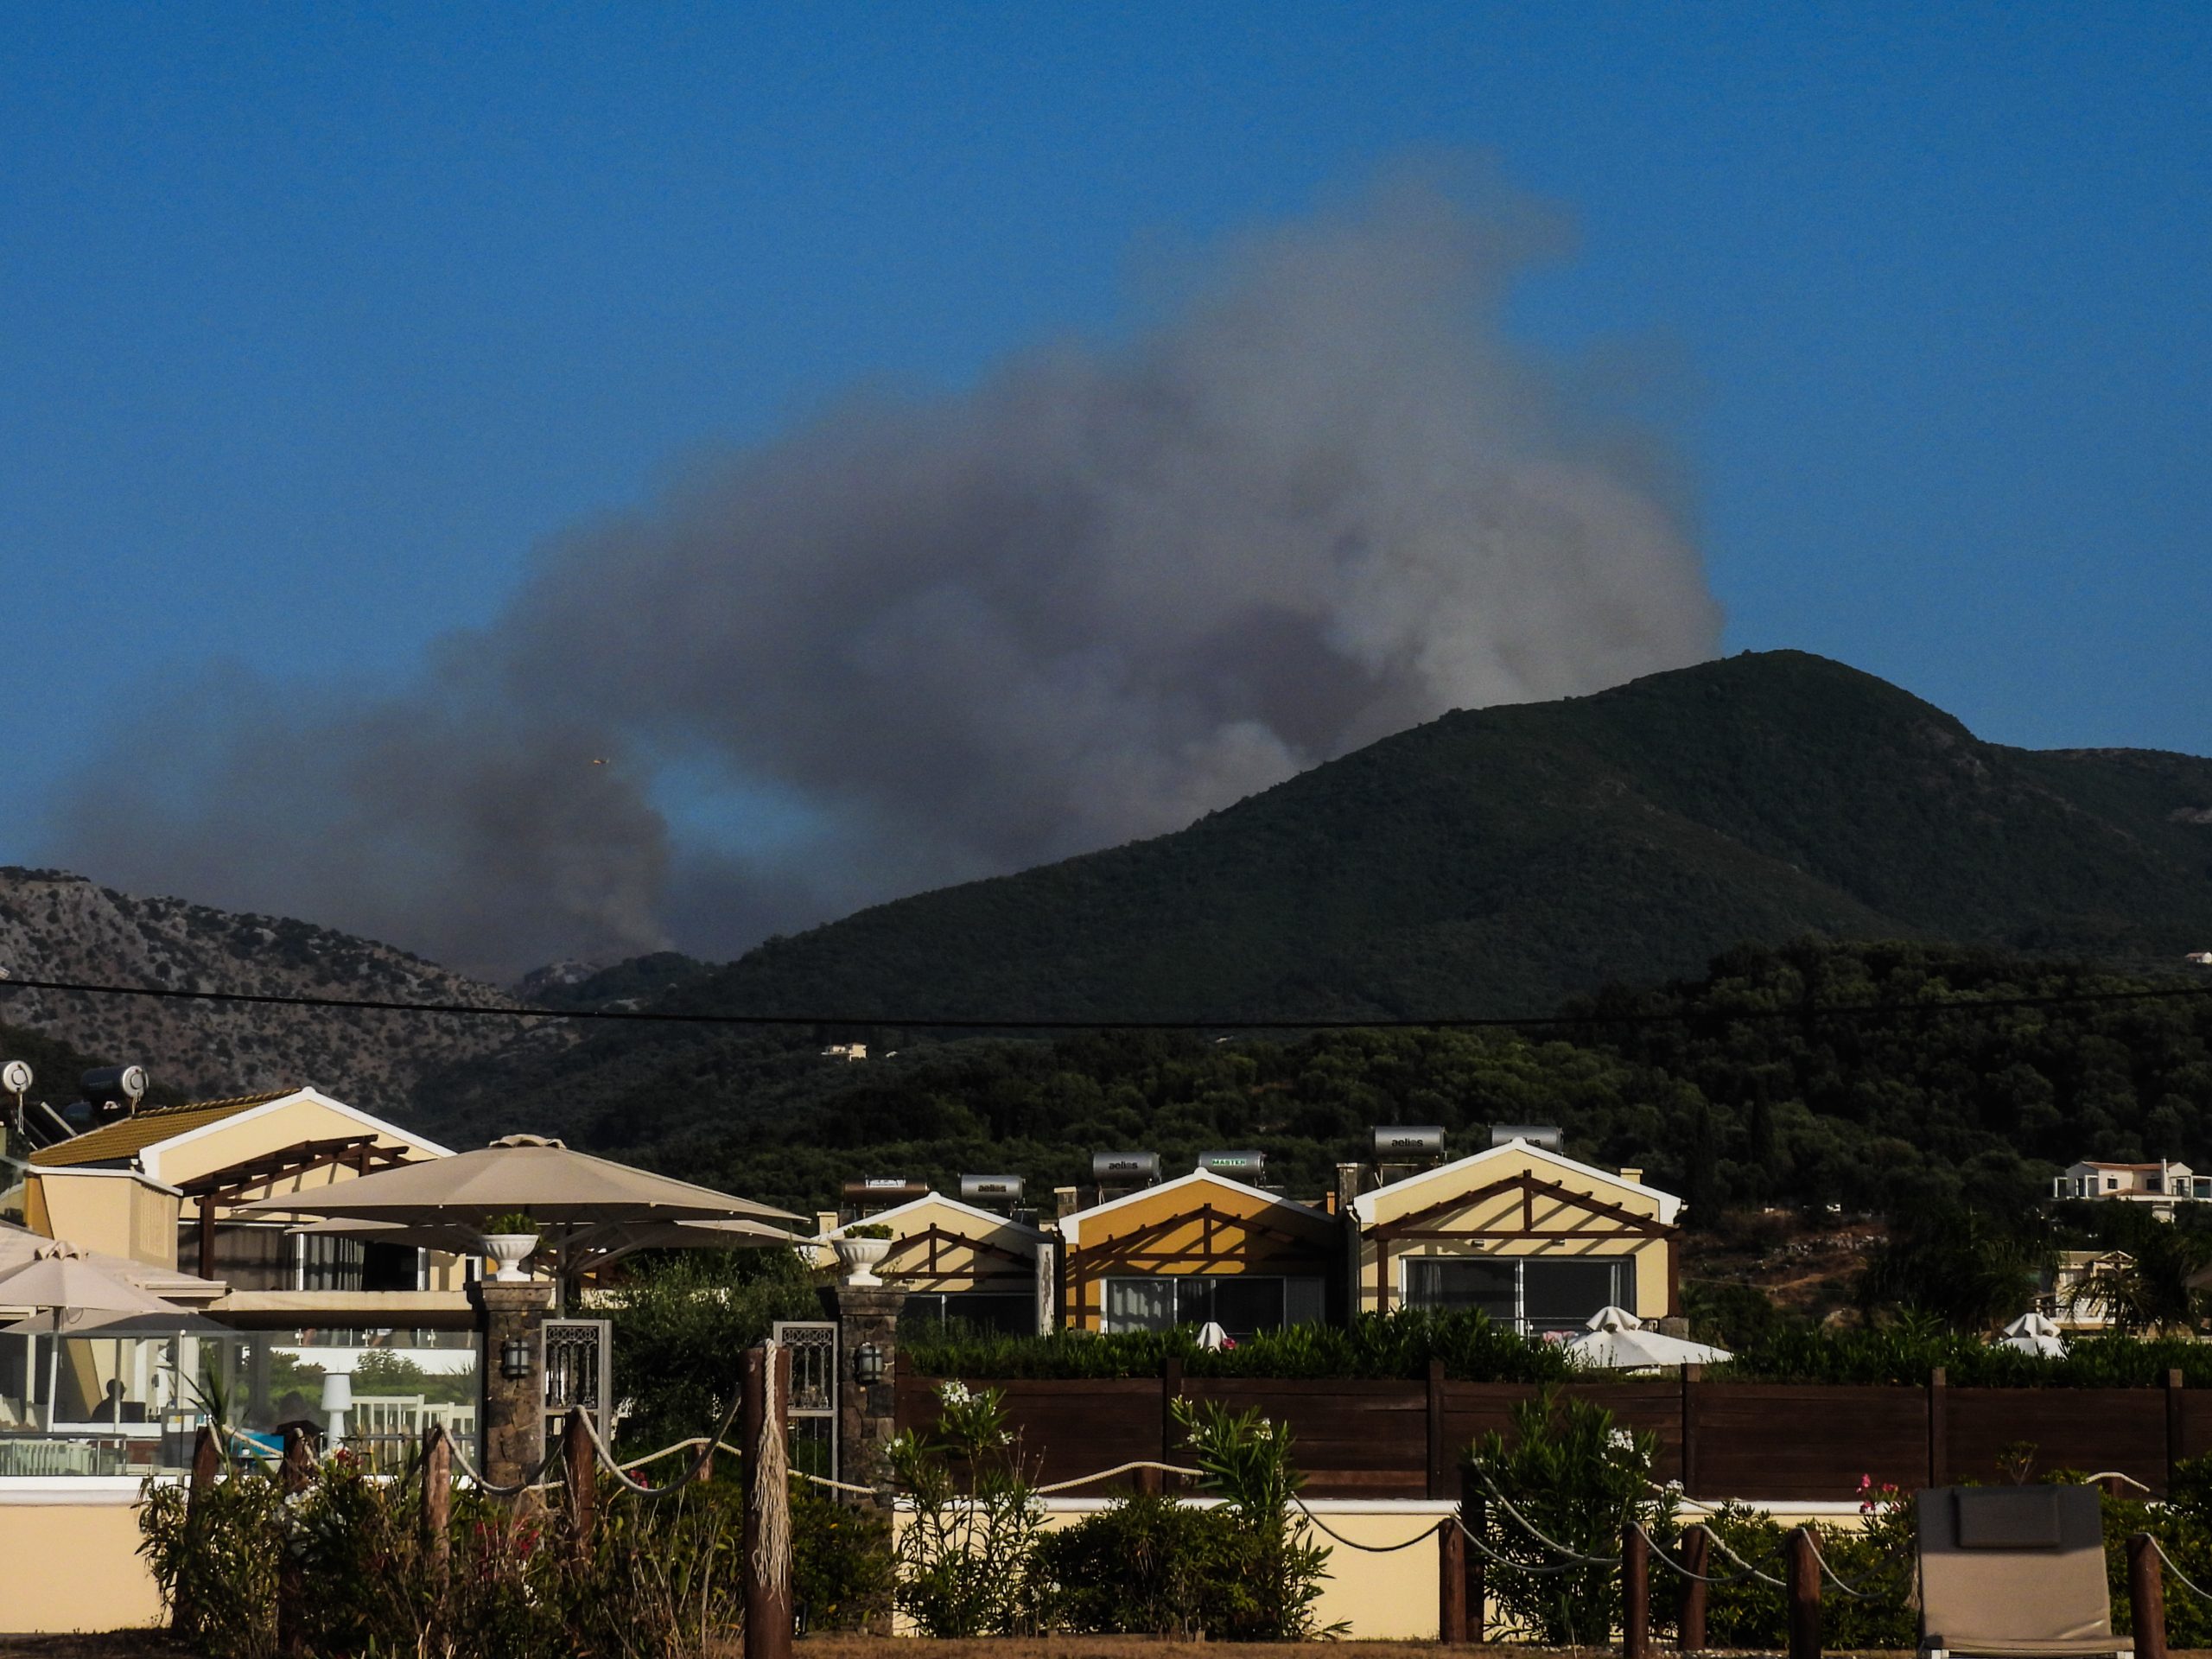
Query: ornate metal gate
[[813, 1428], [579, 1371]]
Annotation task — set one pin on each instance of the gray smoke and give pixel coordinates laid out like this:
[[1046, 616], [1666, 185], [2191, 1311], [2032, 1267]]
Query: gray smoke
[[1318, 499]]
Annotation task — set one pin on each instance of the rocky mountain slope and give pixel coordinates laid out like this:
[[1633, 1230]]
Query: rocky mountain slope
[[56, 925]]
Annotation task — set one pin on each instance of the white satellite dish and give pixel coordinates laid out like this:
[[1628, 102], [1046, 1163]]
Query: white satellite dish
[[15, 1077]]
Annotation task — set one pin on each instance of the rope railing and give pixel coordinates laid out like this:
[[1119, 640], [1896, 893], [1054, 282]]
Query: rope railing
[[1813, 1543], [706, 1444], [1422, 1536], [681, 1446], [1764, 1577], [1482, 1548], [1535, 1532], [1682, 1568], [2188, 1583]]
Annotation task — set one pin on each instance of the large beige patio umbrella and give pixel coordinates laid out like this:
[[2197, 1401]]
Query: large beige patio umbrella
[[62, 1280], [574, 1197], [520, 1172], [61, 1277], [584, 1248]]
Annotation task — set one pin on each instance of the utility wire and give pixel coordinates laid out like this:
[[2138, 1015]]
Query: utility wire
[[1454, 1022]]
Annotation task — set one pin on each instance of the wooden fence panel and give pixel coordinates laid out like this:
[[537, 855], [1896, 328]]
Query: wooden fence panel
[[1067, 1427], [1775, 1441], [2092, 1430], [1355, 1438], [2196, 1438], [1651, 1405], [1370, 1439]]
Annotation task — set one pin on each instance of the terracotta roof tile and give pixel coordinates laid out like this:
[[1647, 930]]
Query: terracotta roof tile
[[127, 1137]]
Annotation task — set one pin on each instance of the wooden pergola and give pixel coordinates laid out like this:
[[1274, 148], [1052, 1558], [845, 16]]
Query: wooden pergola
[[248, 1177], [1223, 1236], [932, 1270], [1417, 1227]]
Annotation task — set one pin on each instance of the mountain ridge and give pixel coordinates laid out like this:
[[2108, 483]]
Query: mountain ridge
[[1490, 861]]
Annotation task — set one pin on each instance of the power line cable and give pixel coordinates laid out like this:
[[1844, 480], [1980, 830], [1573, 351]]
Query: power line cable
[[924, 1022]]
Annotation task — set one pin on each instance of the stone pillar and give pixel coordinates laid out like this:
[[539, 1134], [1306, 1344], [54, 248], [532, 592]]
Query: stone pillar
[[866, 1413], [510, 1415]]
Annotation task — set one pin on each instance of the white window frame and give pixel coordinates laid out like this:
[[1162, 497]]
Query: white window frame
[[1627, 1260], [1285, 1279]]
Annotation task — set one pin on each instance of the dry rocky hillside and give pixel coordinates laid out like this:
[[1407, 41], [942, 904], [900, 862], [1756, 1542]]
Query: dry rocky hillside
[[56, 925]]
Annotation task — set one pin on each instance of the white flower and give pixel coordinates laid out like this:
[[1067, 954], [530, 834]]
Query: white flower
[[953, 1393], [1623, 1439]]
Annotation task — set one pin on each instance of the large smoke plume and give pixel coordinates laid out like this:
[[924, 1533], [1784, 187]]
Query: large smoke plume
[[1320, 498]]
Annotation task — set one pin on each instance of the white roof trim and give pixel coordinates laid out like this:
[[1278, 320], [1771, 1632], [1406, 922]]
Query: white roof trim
[[45, 1170], [1363, 1206], [1072, 1226], [149, 1155], [934, 1196]]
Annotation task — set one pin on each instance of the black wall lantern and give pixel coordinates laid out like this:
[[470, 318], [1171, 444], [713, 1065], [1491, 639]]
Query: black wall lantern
[[516, 1360], [867, 1364]]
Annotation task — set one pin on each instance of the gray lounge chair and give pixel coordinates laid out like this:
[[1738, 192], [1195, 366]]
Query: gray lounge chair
[[2013, 1570]]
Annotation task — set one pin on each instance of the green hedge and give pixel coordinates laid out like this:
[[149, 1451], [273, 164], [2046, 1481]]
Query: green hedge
[[1474, 1349], [1380, 1345]]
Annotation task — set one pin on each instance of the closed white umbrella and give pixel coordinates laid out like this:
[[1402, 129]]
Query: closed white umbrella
[[1616, 1340], [2034, 1333]]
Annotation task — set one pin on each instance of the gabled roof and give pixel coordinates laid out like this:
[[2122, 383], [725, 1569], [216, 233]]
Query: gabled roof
[[128, 1137], [1072, 1226], [1365, 1205], [939, 1199], [142, 1137]]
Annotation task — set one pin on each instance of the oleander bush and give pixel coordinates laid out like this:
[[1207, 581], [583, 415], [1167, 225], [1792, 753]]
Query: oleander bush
[[1561, 1485], [662, 1576]]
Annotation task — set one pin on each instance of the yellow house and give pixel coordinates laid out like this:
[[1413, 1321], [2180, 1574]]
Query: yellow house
[[1526, 1235], [160, 1184], [956, 1261], [1201, 1248]]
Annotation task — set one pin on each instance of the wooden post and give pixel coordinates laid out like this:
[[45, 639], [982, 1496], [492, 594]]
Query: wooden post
[[2175, 1426], [2146, 1597], [206, 1467], [1636, 1594], [1804, 1596], [294, 1474], [767, 1592], [206, 1464], [437, 1502], [1471, 1516], [1440, 1473], [1171, 1390], [1691, 1375], [206, 1237], [579, 1470], [1451, 1585], [1696, 1552], [1939, 1429]]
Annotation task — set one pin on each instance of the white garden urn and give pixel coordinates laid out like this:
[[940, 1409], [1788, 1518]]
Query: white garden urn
[[858, 1257], [509, 1251]]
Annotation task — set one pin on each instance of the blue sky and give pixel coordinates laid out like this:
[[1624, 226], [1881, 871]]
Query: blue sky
[[314, 322]]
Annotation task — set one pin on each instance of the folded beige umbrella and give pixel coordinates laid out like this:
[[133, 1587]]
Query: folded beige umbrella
[[61, 1277]]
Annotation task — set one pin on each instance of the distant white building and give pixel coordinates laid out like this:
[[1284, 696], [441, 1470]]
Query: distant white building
[[2163, 1184], [2201, 958], [845, 1052]]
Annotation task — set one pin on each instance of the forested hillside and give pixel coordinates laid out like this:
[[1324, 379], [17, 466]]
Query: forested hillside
[[1495, 860], [1749, 1098]]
